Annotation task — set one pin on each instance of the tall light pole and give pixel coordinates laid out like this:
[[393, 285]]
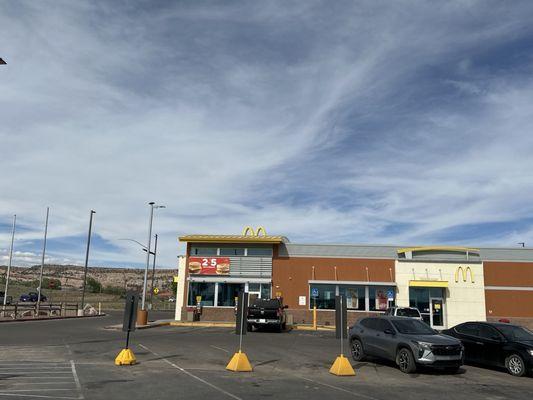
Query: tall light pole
[[153, 273], [10, 259], [142, 318], [86, 262], [145, 284], [42, 261]]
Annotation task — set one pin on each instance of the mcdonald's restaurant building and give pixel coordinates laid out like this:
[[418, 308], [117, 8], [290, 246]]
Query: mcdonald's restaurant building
[[449, 285]]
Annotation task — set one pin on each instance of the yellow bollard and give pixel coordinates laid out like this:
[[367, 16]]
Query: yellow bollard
[[314, 318]]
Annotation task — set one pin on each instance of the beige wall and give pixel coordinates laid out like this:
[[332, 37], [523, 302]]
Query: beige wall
[[180, 292], [464, 301]]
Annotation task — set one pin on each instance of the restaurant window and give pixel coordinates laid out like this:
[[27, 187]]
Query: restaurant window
[[205, 290], [325, 296], [265, 291], [381, 297], [231, 251], [227, 293], [260, 252], [355, 297], [204, 251]]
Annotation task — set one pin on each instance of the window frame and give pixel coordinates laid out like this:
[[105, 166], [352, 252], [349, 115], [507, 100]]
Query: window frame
[[355, 284]]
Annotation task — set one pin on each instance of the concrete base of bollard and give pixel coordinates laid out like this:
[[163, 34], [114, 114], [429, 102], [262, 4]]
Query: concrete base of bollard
[[239, 363], [342, 367]]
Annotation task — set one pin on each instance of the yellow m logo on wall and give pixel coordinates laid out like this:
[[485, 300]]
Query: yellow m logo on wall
[[249, 231], [463, 272]]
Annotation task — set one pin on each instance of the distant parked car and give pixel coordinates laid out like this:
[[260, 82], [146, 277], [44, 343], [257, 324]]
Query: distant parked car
[[8, 300], [409, 312], [497, 345], [267, 312], [32, 297], [408, 342]]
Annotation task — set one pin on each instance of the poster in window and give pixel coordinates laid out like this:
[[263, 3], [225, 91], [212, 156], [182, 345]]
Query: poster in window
[[209, 265], [352, 299], [381, 299]]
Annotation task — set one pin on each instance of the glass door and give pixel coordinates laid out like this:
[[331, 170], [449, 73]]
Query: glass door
[[437, 312]]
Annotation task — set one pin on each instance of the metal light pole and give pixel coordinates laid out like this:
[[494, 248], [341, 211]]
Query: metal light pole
[[10, 259], [143, 316], [42, 261], [86, 261], [153, 273]]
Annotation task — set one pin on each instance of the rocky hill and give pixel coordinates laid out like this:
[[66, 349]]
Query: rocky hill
[[71, 276]]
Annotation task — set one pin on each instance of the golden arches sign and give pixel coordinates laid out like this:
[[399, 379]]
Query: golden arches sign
[[249, 231], [464, 272]]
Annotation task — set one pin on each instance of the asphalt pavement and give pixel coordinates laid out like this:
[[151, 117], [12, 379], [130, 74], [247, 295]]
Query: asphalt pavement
[[73, 359]]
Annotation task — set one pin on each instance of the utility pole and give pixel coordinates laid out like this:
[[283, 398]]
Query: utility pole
[[80, 312], [10, 260], [42, 261], [153, 273]]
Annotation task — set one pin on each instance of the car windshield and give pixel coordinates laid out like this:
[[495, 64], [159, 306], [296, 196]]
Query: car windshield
[[407, 312], [412, 327], [516, 332]]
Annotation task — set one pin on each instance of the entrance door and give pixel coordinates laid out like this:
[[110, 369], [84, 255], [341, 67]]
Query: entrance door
[[436, 308]]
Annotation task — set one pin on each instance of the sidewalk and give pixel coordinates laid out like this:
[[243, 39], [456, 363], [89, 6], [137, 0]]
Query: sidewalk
[[213, 324]]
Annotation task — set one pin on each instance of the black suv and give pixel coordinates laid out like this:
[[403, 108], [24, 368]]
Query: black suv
[[496, 344]]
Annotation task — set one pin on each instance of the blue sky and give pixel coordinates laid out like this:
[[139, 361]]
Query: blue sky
[[403, 122]]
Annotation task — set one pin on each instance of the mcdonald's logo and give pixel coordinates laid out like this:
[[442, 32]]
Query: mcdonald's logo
[[249, 231], [464, 272]]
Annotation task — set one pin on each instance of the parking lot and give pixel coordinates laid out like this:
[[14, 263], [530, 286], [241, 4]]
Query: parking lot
[[73, 359]]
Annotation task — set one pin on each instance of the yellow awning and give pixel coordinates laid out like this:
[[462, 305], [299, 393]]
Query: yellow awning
[[428, 283], [267, 239], [437, 248]]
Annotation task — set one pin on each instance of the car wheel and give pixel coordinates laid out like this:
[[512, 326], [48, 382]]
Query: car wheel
[[356, 348], [249, 328], [405, 361], [515, 365]]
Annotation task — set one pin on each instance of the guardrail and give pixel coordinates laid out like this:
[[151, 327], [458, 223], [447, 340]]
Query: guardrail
[[27, 309]]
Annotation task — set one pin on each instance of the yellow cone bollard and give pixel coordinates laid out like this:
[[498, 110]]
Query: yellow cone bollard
[[342, 367], [239, 363], [125, 357]]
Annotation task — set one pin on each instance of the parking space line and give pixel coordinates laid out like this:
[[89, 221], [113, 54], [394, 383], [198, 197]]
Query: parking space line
[[76, 379], [219, 348], [191, 374], [336, 388]]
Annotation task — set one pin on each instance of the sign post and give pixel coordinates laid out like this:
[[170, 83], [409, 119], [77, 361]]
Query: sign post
[[239, 362], [314, 295], [126, 356], [341, 366]]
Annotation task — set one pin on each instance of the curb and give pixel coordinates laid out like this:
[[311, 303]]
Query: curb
[[49, 318]]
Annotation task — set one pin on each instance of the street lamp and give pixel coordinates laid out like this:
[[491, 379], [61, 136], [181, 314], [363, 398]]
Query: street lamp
[[80, 312], [42, 261], [10, 258], [143, 314]]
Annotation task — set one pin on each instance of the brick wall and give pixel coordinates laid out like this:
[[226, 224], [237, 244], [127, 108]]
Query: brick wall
[[527, 322]]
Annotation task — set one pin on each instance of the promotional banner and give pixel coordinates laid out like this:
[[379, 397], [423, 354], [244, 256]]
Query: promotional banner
[[209, 265]]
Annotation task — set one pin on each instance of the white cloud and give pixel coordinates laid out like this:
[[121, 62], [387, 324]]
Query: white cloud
[[223, 113]]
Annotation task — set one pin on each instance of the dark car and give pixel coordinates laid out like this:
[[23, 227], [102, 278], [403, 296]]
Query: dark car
[[9, 299], [407, 341], [496, 344], [32, 297], [266, 312]]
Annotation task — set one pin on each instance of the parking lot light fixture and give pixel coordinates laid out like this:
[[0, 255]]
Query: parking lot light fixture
[[42, 262], [86, 262], [145, 282], [10, 260]]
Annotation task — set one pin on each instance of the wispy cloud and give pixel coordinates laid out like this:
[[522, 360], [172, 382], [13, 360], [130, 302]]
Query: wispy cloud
[[369, 122]]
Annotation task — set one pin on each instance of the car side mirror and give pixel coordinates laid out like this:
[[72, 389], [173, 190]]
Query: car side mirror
[[388, 331]]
